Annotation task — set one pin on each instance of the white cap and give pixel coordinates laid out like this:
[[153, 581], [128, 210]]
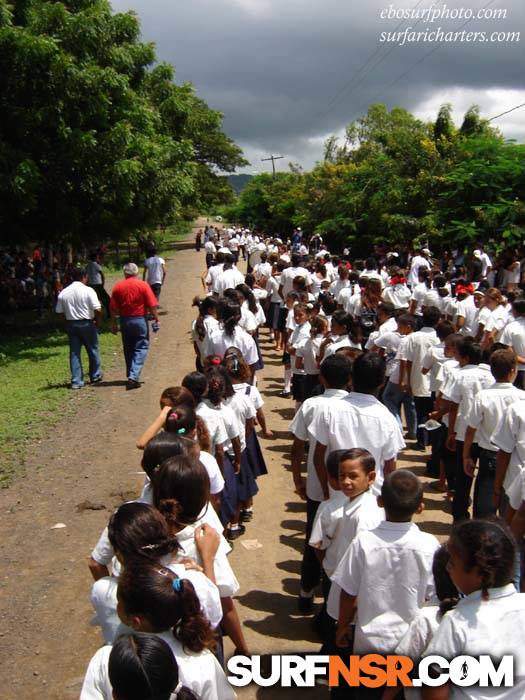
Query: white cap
[[426, 251], [477, 253], [131, 269]]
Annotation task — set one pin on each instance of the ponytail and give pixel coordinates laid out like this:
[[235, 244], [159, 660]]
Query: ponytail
[[166, 602], [140, 530], [247, 293], [230, 316], [181, 420], [181, 490]]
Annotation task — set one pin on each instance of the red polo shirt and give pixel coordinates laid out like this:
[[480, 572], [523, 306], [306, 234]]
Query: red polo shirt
[[132, 297]]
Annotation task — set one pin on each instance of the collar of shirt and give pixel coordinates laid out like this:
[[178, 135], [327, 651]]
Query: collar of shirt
[[396, 527], [427, 329], [331, 393], [476, 596]]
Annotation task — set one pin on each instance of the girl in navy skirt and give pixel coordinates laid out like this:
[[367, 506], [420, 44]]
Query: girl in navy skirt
[[239, 416]]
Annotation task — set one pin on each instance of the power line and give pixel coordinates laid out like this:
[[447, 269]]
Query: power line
[[507, 112], [273, 159]]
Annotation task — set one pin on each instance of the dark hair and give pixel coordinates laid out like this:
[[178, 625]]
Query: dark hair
[[197, 384], [143, 667], [423, 274], [336, 371], [431, 316], [332, 463], [216, 385], [446, 592], [249, 296], [151, 250], [407, 320], [160, 448], [502, 362], [444, 329], [470, 351], [455, 338], [328, 304], [364, 457], [139, 530], [178, 396], [319, 324], [205, 305], [371, 264], [295, 259], [78, 273], [402, 493], [181, 490], [235, 365], [181, 420], [368, 373], [230, 315], [167, 602], [518, 305], [487, 545], [387, 308]]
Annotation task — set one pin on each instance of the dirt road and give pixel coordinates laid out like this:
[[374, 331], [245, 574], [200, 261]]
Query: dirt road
[[88, 466]]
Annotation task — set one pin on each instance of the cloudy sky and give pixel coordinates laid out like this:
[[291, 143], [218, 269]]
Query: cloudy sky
[[288, 73]]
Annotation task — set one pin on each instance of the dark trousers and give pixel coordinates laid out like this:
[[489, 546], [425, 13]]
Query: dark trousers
[[449, 462], [423, 408], [463, 485], [102, 295], [484, 486], [310, 566], [155, 288]]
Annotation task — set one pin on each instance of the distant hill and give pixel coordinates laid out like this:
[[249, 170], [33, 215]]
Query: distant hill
[[239, 182]]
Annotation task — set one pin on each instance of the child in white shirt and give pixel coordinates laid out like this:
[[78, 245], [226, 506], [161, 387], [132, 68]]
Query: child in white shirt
[[307, 352], [300, 333], [386, 574]]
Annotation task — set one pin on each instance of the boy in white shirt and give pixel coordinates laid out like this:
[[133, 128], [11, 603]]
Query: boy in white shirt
[[300, 334], [418, 385], [334, 375], [509, 438], [485, 415], [514, 336], [386, 574]]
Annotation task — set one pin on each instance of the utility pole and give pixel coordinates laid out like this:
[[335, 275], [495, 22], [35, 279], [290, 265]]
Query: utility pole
[[273, 159]]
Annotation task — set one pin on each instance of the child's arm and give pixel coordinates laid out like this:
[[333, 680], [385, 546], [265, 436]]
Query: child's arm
[[236, 444], [261, 419], [297, 460], [347, 611], [232, 626], [320, 467], [97, 570], [153, 429], [452, 415], [441, 692], [502, 464], [518, 523], [250, 424]]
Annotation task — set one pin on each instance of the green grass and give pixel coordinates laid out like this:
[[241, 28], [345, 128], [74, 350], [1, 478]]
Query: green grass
[[165, 241], [34, 376]]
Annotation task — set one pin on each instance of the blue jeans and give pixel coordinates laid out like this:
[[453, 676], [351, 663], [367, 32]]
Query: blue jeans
[[135, 342], [394, 398], [83, 333]]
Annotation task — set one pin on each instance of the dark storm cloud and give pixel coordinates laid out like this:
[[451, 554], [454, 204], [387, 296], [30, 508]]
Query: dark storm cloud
[[274, 66]]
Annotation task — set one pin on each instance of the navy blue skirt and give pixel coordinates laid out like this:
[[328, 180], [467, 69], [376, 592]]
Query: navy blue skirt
[[260, 363], [255, 455], [229, 494], [246, 484]]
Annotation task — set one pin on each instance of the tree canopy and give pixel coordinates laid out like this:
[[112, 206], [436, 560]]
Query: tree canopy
[[94, 141], [397, 179]]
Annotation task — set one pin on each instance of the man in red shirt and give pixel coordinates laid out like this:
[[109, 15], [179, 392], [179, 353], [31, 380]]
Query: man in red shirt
[[131, 301]]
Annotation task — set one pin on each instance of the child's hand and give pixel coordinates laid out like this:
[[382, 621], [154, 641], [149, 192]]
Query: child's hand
[[300, 487], [237, 467], [469, 467], [267, 433], [190, 564], [207, 541]]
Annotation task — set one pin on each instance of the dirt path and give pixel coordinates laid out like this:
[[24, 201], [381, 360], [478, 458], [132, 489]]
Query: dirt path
[[46, 640]]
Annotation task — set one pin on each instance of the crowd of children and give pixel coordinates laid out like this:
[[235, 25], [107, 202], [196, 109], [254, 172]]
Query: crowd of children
[[369, 349]]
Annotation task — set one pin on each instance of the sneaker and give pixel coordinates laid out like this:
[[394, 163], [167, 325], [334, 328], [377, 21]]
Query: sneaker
[[305, 604], [98, 379], [76, 386], [418, 447], [234, 534], [132, 384], [285, 394]]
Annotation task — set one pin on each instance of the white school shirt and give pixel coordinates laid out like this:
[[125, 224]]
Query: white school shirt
[[201, 673], [309, 350], [396, 362], [516, 491], [418, 294], [153, 265], [289, 274], [433, 359], [232, 425], [228, 279], [272, 287], [497, 321], [390, 342], [417, 346], [399, 296], [213, 275], [248, 321], [299, 428], [209, 462], [219, 341], [360, 513], [359, 420], [417, 262], [389, 326], [446, 373], [416, 639], [78, 302], [316, 283], [510, 437], [462, 389], [299, 335], [209, 247], [104, 599], [262, 269], [250, 392], [513, 335], [214, 424], [210, 324], [489, 408], [482, 316], [432, 298], [233, 244], [243, 410], [485, 264], [389, 569], [338, 286], [328, 520], [493, 627], [467, 310], [343, 341]]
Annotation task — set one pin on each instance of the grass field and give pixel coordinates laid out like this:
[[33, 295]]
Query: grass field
[[34, 376]]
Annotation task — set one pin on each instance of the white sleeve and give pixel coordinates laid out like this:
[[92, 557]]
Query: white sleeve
[[255, 396], [96, 684], [216, 479], [449, 639], [94, 303], [416, 638], [505, 436], [103, 552], [298, 427], [348, 573], [319, 428]]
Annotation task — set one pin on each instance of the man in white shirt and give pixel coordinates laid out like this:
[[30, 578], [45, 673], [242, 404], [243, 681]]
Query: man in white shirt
[[81, 307], [486, 413], [416, 348], [154, 271], [334, 375], [288, 276], [486, 262], [229, 277], [514, 337], [419, 260], [359, 420]]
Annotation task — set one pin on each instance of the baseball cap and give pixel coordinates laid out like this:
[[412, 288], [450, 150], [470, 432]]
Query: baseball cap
[[130, 269], [426, 251], [477, 253]]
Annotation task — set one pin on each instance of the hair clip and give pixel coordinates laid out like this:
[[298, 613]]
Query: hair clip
[[177, 585], [181, 431], [174, 415], [215, 360]]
